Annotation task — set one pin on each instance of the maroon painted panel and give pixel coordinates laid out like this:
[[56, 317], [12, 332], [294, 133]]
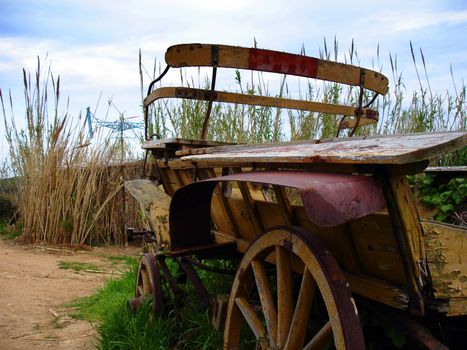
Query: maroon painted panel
[[329, 199], [284, 63]]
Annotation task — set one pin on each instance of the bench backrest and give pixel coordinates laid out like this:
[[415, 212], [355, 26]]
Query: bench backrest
[[190, 55]]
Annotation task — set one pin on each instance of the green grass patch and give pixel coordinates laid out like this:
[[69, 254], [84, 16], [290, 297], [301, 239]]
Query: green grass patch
[[77, 266], [186, 328], [8, 231], [127, 260]]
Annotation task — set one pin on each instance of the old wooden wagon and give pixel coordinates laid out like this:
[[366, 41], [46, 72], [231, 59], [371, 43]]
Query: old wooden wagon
[[322, 222]]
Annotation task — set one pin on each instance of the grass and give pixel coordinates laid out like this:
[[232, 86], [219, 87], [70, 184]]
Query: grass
[[9, 231], [77, 266], [185, 329], [128, 260]]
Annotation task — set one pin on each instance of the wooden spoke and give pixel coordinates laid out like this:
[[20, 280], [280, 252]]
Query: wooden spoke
[[284, 294], [251, 317], [267, 301], [292, 249], [321, 339], [145, 281], [296, 337]]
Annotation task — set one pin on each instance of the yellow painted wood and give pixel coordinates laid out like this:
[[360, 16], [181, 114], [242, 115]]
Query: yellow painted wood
[[446, 248], [267, 301], [368, 117], [155, 204], [321, 339], [283, 201], [373, 288], [408, 231], [285, 298], [375, 245], [189, 55], [249, 203], [299, 324], [220, 209], [251, 317]]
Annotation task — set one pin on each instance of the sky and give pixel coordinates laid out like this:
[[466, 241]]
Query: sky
[[93, 44]]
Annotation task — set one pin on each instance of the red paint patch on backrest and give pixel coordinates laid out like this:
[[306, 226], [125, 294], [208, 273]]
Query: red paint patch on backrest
[[281, 62]]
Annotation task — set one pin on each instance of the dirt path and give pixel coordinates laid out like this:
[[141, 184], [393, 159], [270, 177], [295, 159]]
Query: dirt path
[[33, 290]]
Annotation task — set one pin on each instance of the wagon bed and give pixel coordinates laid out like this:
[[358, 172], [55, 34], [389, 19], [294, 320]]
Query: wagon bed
[[348, 198]]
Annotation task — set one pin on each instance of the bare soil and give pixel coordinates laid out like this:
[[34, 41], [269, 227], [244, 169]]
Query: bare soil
[[34, 292]]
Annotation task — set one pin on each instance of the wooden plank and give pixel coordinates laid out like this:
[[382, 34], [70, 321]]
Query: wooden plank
[[189, 55], [332, 237], [249, 203], [376, 247], [180, 143], [221, 211], [179, 163], [396, 149], [379, 290], [168, 187], [446, 249], [408, 232], [284, 295], [447, 170], [369, 116], [283, 201], [155, 204], [243, 219]]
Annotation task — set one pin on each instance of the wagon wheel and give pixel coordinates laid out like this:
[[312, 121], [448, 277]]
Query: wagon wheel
[[275, 320], [154, 281], [148, 284]]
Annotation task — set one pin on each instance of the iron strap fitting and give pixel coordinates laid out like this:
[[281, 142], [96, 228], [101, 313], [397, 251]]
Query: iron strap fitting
[[214, 63]]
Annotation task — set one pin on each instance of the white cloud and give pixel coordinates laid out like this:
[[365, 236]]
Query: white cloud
[[409, 21]]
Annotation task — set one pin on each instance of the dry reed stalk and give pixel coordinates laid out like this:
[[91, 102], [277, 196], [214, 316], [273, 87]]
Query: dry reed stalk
[[64, 188]]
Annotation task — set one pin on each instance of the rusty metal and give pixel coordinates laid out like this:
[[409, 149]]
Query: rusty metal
[[146, 108], [215, 62], [208, 268], [147, 235], [329, 200], [175, 293], [195, 280]]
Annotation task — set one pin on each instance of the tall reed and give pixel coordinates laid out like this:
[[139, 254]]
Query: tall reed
[[64, 184]]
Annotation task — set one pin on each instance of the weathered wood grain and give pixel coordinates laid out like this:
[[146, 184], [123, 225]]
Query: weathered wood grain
[[395, 149], [368, 116], [191, 55], [446, 248], [155, 204]]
